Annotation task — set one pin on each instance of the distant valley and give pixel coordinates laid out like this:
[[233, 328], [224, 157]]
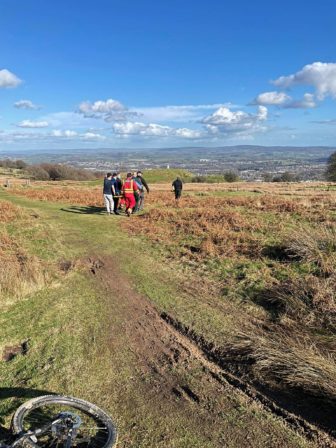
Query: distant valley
[[249, 161]]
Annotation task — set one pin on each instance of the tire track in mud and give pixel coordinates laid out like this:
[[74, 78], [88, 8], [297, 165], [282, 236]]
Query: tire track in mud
[[215, 366], [161, 342]]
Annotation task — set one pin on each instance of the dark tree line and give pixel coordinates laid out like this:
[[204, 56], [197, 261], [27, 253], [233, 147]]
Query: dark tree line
[[49, 171], [13, 164], [58, 171]]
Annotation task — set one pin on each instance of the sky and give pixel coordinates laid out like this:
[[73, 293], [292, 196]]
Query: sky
[[154, 73]]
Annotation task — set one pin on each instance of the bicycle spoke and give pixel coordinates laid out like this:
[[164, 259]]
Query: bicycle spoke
[[58, 418]]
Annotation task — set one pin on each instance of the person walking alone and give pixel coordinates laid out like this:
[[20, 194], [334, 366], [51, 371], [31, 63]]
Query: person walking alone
[[108, 192], [177, 188], [129, 189]]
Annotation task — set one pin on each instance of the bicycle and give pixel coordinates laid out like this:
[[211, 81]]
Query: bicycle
[[55, 421]]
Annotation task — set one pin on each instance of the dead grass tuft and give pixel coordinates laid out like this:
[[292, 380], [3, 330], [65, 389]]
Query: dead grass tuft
[[19, 272], [315, 245], [67, 194], [287, 360], [9, 211], [308, 300]]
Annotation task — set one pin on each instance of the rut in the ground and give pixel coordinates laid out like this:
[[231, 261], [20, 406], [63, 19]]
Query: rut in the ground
[[166, 350]]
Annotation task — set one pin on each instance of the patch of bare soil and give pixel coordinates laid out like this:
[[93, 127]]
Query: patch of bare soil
[[178, 368], [11, 351]]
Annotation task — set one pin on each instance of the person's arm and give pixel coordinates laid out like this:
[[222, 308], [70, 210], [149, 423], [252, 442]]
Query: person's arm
[[144, 183], [113, 190]]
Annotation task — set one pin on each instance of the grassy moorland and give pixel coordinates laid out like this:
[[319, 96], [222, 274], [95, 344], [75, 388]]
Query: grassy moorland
[[246, 273]]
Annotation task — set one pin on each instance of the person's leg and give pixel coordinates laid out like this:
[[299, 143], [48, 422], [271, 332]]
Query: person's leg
[[136, 200], [111, 203], [116, 205], [177, 195], [107, 203], [128, 209], [130, 204], [141, 201]]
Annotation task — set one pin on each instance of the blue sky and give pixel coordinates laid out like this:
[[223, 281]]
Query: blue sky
[[145, 73]]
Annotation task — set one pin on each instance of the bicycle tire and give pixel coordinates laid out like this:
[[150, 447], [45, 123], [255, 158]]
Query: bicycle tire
[[82, 405]]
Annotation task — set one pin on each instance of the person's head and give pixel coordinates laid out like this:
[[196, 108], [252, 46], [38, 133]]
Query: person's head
[[129, 175], [119, 175], [135, 174], [109, 175], [114, 175], [139, 173], [178, 178]]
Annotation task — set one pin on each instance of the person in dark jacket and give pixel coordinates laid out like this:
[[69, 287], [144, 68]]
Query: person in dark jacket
[[108, 192], [117, 192], [140, 200], [177, 188]]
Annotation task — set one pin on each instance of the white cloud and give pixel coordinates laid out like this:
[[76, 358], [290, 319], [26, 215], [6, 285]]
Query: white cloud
[[153, 130], [307, 102], [26, 104], [70, 134], [64, 134], [187, 133], [272, 98], [320, 75], [227, 121], [8, 79], [283, 100], [175, 113], [10, 137], [50, 137], [100, 107], [109, 110], [32, 124], [136, 128], [93, 136]]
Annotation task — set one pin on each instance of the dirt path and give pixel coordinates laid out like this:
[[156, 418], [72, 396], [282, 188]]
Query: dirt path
[[178, 376], [147, 369]]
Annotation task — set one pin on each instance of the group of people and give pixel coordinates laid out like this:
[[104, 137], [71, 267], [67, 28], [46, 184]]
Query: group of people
[[130, 193]]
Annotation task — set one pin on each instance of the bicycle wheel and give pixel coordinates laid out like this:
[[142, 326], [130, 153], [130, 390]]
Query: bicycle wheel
[[55, 415]]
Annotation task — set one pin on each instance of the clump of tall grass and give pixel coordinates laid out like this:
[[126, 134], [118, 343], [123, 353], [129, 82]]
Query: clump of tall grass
[[287, 359], [9, 212], [315, 245], [20, 273], [309, 300]]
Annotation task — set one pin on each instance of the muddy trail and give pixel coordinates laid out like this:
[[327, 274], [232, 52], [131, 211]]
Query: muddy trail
[[183, 368]]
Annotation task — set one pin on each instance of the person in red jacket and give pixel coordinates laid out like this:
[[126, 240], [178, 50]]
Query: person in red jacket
[[129, 189]]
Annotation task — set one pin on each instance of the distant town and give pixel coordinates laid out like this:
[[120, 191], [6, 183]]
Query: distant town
[[251, 163]]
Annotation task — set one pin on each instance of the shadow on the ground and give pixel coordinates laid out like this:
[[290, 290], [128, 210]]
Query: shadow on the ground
[[22, 392], [17, 396], [85, 210]]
